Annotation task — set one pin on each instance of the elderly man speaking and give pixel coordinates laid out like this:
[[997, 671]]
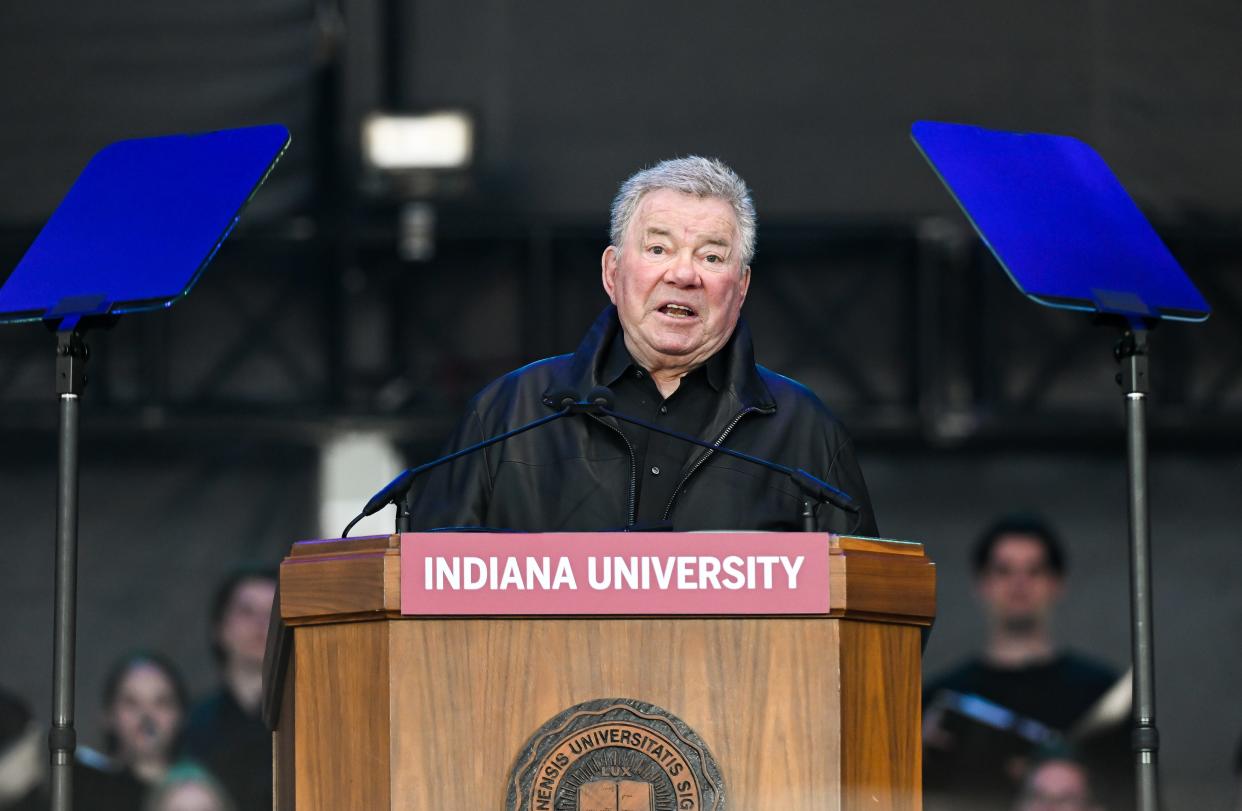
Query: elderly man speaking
[[675, 352]]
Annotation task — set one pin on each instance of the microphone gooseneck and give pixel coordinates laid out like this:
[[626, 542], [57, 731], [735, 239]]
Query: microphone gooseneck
[[599, 401], [395, 491]]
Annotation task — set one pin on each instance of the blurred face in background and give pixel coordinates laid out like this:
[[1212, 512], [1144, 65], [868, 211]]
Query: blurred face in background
[[1057, 785], [1018, 587], [145, 715], [677, 281], [190, 796], [242, 630]]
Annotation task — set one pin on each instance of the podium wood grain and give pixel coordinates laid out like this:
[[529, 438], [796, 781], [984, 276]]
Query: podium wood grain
[[427, 714]]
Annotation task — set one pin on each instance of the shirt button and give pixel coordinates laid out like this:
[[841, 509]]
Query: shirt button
[[655, 471], [663, 409]]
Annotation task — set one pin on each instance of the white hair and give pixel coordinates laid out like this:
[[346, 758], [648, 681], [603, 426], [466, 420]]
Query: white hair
[[702, 177]]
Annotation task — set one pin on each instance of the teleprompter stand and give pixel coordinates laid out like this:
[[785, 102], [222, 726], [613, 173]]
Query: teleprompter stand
[[1070, 237], [134, 233], [71, 356], [1131, 353]]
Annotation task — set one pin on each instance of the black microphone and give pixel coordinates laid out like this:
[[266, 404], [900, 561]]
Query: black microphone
[[600, 399], [395, 491]]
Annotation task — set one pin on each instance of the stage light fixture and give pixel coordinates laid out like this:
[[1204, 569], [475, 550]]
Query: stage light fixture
[[413, 142]]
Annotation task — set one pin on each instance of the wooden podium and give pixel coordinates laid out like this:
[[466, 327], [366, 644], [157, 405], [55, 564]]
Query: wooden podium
[[373, 710]]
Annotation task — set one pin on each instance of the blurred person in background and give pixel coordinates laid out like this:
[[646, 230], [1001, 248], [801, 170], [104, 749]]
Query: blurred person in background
[[225, 732], [145, 703], [189, 788], [1237, 777], [1058, 783], [984, 718], [23, 756]]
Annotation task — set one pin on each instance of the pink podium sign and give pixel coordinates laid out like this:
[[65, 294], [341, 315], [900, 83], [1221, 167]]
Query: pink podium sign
[[593, 573]]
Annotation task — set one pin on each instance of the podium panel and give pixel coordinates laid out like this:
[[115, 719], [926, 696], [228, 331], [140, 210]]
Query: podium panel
[[749, 713]]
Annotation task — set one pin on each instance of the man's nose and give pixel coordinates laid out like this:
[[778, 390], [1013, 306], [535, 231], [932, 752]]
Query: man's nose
[[682, 271]]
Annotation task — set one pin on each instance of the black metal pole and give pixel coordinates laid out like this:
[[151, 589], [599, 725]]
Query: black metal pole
[[71, 356], [403, 514], [1132, 354], [807, 514]]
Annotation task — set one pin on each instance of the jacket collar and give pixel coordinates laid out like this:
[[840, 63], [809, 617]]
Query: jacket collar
[[741, 382]]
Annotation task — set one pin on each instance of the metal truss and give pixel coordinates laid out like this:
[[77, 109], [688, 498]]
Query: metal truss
[[911, 333]]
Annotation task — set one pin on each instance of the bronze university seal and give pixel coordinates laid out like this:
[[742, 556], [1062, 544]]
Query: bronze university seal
[[615, 754]]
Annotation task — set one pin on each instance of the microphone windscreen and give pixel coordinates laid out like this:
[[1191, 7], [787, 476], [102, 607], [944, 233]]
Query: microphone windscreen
[[600, 396], [562, 398]]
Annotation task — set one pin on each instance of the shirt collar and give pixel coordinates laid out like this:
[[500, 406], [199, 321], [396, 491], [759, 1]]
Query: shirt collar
[[718, 369], [618, 361], [742, 385]]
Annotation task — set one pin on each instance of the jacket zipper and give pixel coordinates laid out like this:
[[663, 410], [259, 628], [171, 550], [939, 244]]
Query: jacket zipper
[[633, 515], [702, 459]]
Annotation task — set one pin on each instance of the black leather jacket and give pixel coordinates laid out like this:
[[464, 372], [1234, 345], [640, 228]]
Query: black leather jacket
[[579, 473]]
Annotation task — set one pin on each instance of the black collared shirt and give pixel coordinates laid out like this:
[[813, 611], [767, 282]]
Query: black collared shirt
[[662, 461]]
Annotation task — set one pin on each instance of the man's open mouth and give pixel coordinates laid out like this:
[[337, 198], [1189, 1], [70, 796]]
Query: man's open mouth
[[677, 311]]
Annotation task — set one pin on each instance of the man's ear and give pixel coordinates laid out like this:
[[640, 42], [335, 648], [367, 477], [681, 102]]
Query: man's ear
[[608, 271], [745, 284]]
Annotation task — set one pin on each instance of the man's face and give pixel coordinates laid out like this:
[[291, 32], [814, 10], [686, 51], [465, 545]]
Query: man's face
[[1018, 587], [677, 279], [242, 632]]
